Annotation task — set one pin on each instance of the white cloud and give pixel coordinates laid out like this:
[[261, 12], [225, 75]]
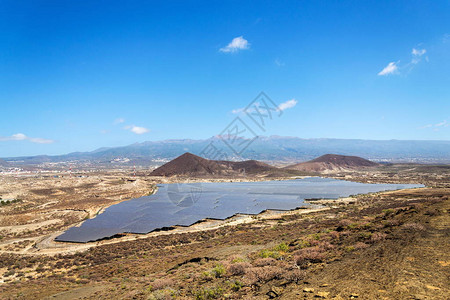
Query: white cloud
[[238, 43], [288, 104], [283, 106], [18, 137], [418, 52], [23, 137], [137, 129], [391, 68]]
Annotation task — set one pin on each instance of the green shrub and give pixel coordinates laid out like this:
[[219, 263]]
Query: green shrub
[[316, 236], [269, 253], [365, 235], [237, 260], [236, 285], [207, 276], [352, 226], [304, 244], [350, 248], [281, 247], [388, 212], [209, 293], [218, 271]]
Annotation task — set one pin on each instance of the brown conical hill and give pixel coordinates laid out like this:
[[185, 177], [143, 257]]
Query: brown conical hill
[[333, 163], [248, 166], [190, 165]]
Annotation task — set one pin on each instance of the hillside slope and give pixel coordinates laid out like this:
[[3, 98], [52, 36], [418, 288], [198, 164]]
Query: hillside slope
[[333, 163], [192, 165]]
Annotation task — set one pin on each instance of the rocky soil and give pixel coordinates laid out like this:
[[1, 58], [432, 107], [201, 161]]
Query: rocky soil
[[391, 245]]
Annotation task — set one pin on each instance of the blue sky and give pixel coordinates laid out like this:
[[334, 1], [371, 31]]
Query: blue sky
[[79, 75]]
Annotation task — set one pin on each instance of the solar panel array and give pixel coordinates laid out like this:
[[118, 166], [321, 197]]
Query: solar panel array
[[187, 203]]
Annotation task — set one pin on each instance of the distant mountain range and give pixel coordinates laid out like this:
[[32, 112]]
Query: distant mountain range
[[279, 149]]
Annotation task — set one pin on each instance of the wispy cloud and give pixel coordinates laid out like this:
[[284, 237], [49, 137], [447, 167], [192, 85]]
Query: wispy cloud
[[418, 52], [437, 126], [391, 68], [137, 129], [238, 43], [23, 137], [417, 55], [237, 110], [281, 107], [288, 104], [119, 121], [442, 124], [395, 67]]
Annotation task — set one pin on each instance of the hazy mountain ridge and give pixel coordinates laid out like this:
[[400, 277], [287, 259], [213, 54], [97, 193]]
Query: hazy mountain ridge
[[273, 148]]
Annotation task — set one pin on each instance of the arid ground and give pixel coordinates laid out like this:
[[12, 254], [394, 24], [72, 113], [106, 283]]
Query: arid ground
[[391, 245]]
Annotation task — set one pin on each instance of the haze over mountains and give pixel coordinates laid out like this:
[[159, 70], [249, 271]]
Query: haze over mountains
[[269, 149]]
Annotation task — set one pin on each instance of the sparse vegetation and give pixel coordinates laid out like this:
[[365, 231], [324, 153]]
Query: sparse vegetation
[[388, 232]]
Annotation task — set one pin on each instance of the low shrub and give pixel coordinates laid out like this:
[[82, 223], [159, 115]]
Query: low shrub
[[312, 254], [159, 284], [388, 212], [335, 235], [163, 294], [365, 235], [238, 268], [344, 223], [262, 274], [218, 271], [349, 248], [377, 236], [281, 247], [261, 262], [413, 227], [360, 245], [236, 285], [236, 259], [295, 275], [269, 253], [209, 293]]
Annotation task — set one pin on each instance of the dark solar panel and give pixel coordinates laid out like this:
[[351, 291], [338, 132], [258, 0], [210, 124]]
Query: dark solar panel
[[187, 203]]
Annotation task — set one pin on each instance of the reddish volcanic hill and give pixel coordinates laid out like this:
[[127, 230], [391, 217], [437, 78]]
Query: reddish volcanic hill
[[248, 166], [189, 164], [332, 163]]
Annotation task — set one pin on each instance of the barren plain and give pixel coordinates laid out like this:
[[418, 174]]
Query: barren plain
[[390, 245]]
